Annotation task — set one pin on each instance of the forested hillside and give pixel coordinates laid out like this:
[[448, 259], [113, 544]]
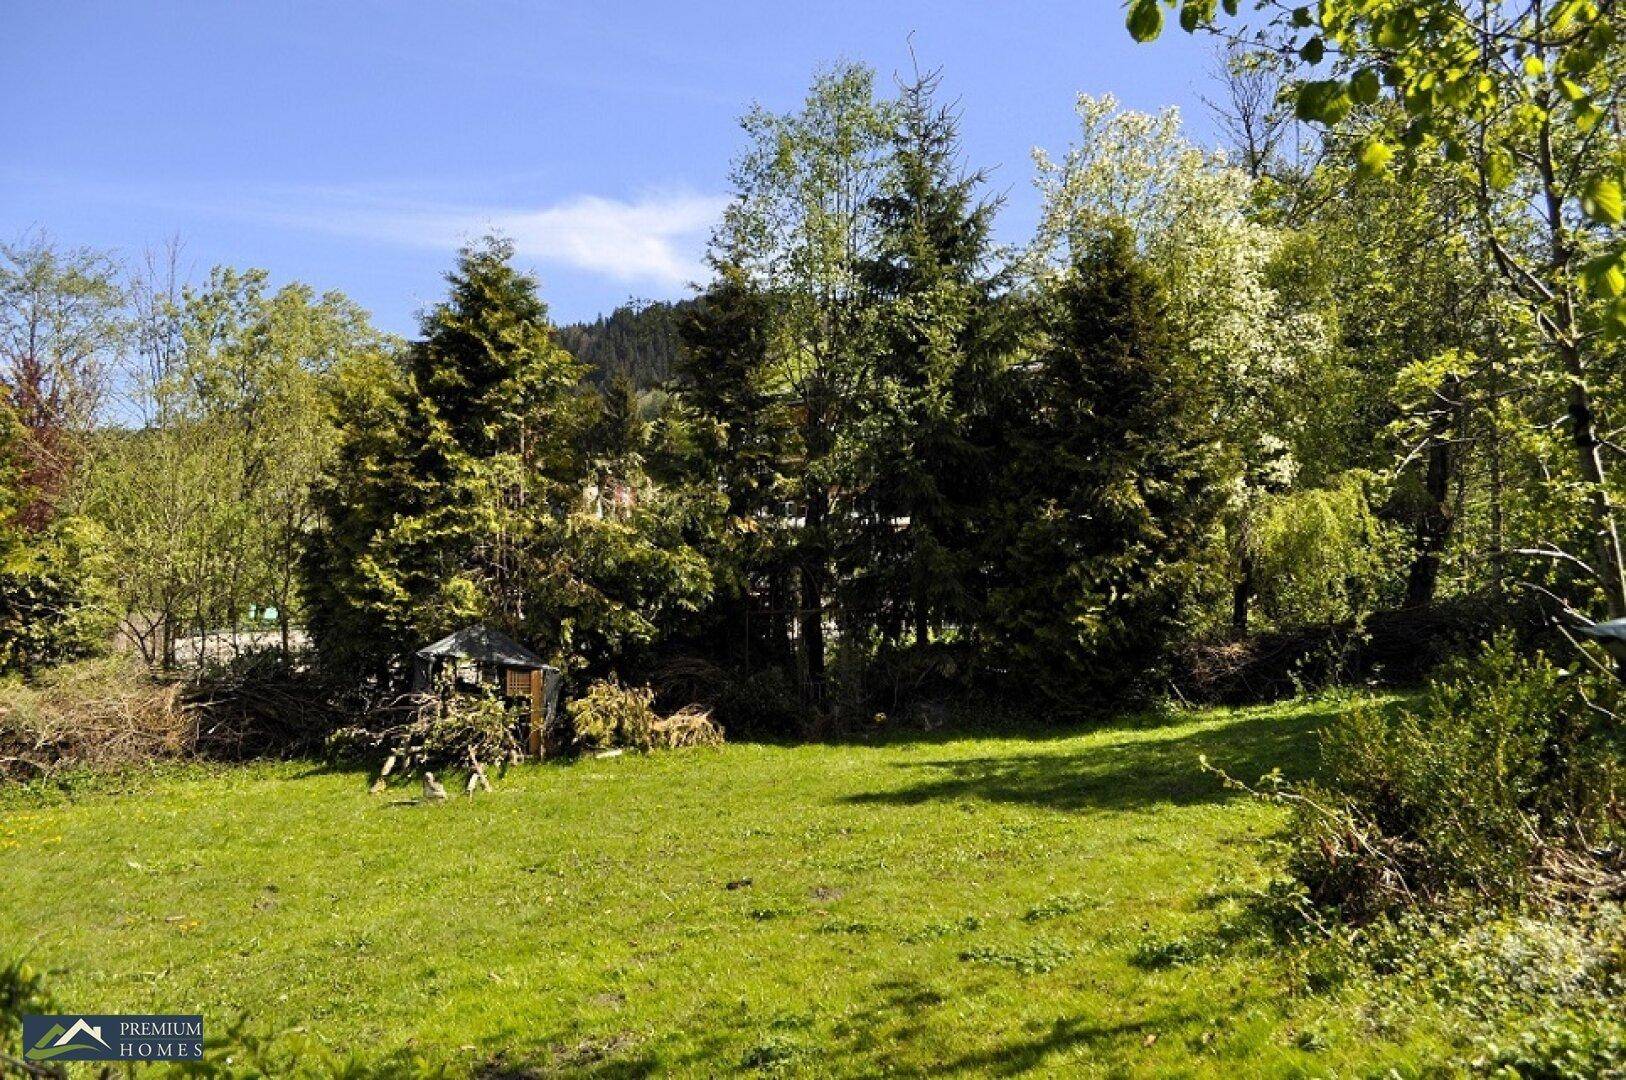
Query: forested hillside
[[637, 341]]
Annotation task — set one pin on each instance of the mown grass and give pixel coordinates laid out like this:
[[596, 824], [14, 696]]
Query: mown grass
[[1037, 902]]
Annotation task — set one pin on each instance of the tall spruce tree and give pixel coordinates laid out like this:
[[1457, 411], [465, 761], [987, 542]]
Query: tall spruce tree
[[424, 517], [726, 375], [801, 228], [919, 471], [1111, 501]]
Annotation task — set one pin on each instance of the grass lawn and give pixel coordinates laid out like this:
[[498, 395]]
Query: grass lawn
[[953, 905]]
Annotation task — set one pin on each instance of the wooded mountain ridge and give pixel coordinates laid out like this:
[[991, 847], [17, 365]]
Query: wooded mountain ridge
[[638, 340]]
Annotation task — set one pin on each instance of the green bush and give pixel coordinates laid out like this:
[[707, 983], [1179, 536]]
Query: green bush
[[1532, 996], [763, 704], [1509, 764], [610, 716]]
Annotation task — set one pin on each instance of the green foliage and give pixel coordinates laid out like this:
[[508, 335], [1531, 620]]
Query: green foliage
[[744, 446], [471, 482], [638, 342], [607, 579], [22, 990], [203, 505], [451, 725], [425, 518], [610, 716], [799, 235], [1505, 762], [1035, 958], [1320, 555], [1117, 479], [1532, 995], [50, 584], [918, 451], [1491, 111], [764, 703]]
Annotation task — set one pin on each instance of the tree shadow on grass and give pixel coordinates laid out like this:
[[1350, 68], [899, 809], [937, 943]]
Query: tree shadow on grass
[[1024, 1055], [1136, 769]]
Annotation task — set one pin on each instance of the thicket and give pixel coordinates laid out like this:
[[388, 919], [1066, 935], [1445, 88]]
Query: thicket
[[1503, 785]]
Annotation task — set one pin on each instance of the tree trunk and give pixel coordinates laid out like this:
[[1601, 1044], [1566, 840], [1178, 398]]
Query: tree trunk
[[1241, 596], [1435, 520], [781, 600], [1611, 568], [810, 613]]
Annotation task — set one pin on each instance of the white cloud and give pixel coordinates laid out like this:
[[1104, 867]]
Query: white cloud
[[657, 239]]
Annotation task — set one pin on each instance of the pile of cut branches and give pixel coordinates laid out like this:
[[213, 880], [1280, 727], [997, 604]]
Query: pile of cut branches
[[438, 730], [92, 714], [689, 726]]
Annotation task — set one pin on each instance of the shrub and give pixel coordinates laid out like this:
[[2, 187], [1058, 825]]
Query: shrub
[[1508, 770], [763, 704], [610, 716], [1522, 995], [22, 991]]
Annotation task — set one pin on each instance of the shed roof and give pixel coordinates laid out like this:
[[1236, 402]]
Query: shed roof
[[1613, 630], [481, 643]]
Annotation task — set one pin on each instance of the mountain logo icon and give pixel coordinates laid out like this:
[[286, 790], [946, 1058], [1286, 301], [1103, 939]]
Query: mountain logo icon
[[59, 1040]]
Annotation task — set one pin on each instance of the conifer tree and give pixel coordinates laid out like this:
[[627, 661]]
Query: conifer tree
[[425, 514], [920, 470], [1111, 503], [726, 375]]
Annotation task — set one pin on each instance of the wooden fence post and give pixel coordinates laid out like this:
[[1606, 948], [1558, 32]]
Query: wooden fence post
[[536, 713]]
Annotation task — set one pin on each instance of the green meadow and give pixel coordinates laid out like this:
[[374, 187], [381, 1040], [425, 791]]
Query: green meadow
[[1012, 903]]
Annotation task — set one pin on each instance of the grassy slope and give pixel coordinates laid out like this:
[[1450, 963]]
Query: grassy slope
[[580, 918]]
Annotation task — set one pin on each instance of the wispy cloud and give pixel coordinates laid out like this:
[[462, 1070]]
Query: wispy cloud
[[656, 239]]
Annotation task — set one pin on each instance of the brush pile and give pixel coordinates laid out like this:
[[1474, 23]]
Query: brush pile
[[114, 712], [689, 726], [93, 714]]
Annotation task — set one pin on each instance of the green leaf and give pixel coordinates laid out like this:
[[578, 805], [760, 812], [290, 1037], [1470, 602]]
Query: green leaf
[[1229, 6], [1587, 116], [1578, 61], [1614, 320], [1195, 14], [1601, 200], [1604, 277], [1499, 168], [1373, 158], [1365, 86], [1533, 66], [1145, 20], [1302, 17], [1323, 101], [1397, 31], [1313, 51]]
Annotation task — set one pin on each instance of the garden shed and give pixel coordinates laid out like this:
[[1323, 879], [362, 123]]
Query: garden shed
[[480, 657]]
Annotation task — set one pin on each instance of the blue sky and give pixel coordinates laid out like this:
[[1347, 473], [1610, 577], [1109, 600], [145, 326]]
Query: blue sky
[[352, 144]]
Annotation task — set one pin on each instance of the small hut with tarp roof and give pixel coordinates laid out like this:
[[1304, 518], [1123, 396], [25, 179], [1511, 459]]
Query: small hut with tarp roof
[[479, 657]]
